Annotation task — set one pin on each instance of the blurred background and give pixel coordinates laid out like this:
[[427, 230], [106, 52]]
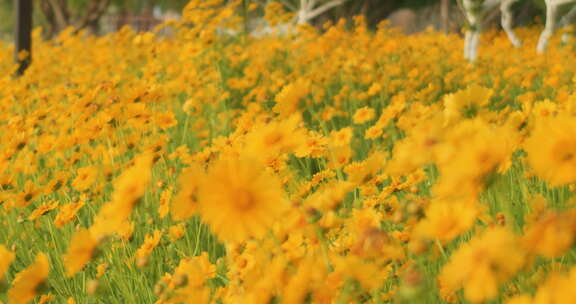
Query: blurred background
[[103, 16]]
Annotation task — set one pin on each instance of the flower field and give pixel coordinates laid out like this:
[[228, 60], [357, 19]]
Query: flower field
[[336, 166]]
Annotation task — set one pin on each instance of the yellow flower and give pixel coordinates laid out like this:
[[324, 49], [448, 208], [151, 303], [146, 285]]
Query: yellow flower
[[30, 193], [466, 103], [186, 201], [341, 137], [46, 298], [275, 13], [165, 198], [176, 232], [131, 185], [128, 189], [279, 136], [522, 299], [552, 235], [373, 132], [288, 99], [150, 242], [312, 146], [204, 270], [475, 152], [304, 279], [545, 108], [368, 274], [239, 199], [329, 195], [360, 172], [41, 210], [46, 143], [419, 148], [557, 289], [57, 183], [80, 252], [189, 279], [166, 120], [67, 213], [26, 283], [374, 89], [371, 242], [339, 156], [445, 220], [101, 269], [363, 115], [125, 230], [85, 177], [552, 150], [480, 265], [6, 258]]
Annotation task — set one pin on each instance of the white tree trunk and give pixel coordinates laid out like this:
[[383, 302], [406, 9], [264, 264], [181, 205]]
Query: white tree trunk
[[308, 10]]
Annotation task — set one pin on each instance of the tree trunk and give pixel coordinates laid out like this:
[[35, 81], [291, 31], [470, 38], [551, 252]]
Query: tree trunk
[[445, 15], [23, 35], [58, 15]]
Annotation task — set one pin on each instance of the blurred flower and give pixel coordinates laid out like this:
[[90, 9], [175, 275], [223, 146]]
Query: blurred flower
[[479, 266], [80, 252], [25, 285], [239, 199]]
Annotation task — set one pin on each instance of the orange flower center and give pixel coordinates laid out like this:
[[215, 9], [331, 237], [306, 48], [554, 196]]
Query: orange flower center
[[273, 139], [564, 151], [244, 199]]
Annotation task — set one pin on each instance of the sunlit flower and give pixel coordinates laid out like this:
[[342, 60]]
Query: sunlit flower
[[186, 201], [176, 232], [166, 120], [26, 283], [479, 266], [101, 269], [289, 98], [42, 209], [6, 258], [150, 242], [165, 198], [85, 177], [367, 274], [445, 220], [67, 213], [80, 251], [467, 103], [240, 199], [29, 194], [552, 150], [341, 137], [129, 188], [552, 235], [363, 115], [276, 137]]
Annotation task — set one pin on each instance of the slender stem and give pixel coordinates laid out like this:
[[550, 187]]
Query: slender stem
[[441, 249]]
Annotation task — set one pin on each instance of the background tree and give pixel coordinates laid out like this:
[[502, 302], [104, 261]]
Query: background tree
[[445, 15], [81, 14], [87, 14], [55, 15]]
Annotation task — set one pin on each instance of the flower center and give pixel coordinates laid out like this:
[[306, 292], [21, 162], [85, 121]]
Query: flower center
[[273, 139], [244, 199], [564, 151]]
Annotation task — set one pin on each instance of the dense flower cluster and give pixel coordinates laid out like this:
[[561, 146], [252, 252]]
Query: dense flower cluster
[[334, 166]]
